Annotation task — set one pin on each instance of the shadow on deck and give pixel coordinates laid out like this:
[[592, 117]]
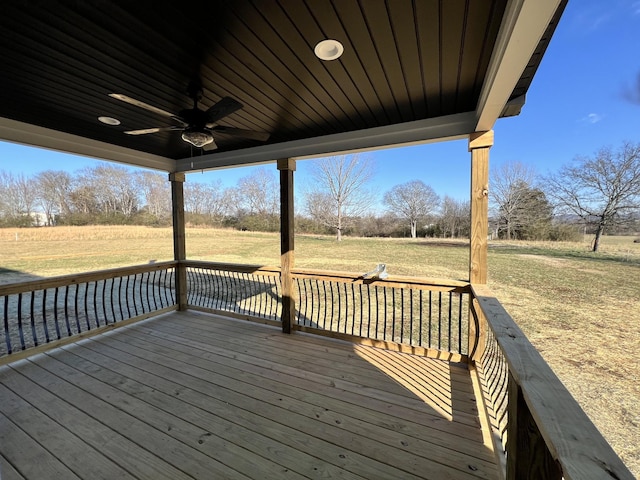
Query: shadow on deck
[[193, 395]]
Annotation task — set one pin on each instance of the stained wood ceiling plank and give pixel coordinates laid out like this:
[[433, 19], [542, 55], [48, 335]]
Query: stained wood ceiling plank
[[428, 26], [477, 18], [377, 18], [491, 32], [404, 26], [332, 75], [300, 61], [451, 32], [362, 40], [358, 86], [262, 73], [266, 43]]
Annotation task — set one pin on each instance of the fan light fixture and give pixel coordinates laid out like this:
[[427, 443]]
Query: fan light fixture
[[328, 50], [197, 138]]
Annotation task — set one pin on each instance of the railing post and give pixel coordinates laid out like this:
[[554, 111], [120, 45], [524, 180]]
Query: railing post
[[527, 454], [179, 246], [479, 145], [287, 252]]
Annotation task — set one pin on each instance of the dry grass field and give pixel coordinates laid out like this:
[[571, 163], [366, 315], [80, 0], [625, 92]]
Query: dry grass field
[[581, 310]]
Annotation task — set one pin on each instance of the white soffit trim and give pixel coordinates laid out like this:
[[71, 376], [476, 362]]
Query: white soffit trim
[[523, 25], [451, 127], [32, 135]]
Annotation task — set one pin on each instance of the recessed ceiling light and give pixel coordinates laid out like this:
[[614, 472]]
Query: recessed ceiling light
[[328, 49], [109, 120]]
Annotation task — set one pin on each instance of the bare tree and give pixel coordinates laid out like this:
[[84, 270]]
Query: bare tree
[[509, 189], [259, 192], [208, 200], [454, 216], [155, 191], [602, 191], [18, 197], [109, 189], [339, 192], [413, 201], [54, 191]]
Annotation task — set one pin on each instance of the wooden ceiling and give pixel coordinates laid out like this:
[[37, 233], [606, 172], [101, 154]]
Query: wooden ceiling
[[408, 67]]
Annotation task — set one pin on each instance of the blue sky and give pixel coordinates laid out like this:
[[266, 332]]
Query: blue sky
[[575, 106]]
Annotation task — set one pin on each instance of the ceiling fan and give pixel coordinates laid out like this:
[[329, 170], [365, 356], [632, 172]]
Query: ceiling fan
[[198, 127]]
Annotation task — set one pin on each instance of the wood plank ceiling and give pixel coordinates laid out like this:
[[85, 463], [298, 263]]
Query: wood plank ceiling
[[403, 61]]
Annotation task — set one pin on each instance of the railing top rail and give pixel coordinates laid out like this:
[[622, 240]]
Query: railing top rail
[[232, 267], [571, 437], [77, 278], [398, 281]]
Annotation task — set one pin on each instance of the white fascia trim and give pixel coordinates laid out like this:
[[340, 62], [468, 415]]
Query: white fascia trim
[[32, 135], [523, 25], [451, 127]]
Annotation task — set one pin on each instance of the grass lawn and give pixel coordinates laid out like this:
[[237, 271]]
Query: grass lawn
[[581, 310]]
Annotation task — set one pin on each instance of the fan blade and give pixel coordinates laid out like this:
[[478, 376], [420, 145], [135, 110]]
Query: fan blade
[[210, 146], [224, 107], [240, 132], [138, 103], [151, 130]]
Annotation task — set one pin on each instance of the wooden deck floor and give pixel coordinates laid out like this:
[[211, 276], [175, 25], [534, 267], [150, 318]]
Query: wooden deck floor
[[191, 395]]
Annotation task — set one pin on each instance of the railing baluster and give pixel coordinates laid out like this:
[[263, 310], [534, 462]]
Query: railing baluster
[[20, 332], [153, 290], [421, 326], [55, 313], [111, 300], [430, 318], [85, 303], [361, 311], [66, 310], [44, 316], [439, 320], [32, 320], [7, 333], [104, 302], [75, 308], [410, 316], [460, 299], [95, 306], [324, 316], [450, 321], [120, 297], [394, 317], [401, 315], [311, 287], [141, 294]]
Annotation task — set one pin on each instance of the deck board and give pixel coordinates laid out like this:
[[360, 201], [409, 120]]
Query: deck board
[[192, 395]]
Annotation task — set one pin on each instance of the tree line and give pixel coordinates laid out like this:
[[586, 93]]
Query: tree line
[[591, 194]]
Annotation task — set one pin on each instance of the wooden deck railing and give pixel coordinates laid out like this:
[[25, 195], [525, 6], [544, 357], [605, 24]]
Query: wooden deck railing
[[425, 316], [537, 423], [543, 430], [246, 291], [48, 311], [421, 315]]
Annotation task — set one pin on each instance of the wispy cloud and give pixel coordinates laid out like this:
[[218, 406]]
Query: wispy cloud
[[635, 7], [592, 118], [590, 19]]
